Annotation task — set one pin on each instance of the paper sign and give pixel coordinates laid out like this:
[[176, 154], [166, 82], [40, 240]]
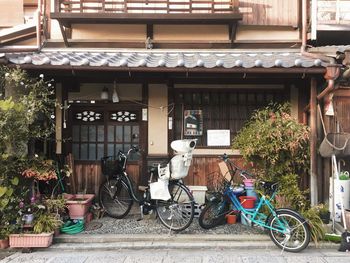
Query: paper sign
[[218, 138]]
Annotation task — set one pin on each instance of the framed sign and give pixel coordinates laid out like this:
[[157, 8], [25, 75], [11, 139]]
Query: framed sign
[[193, 123], [218, 138]]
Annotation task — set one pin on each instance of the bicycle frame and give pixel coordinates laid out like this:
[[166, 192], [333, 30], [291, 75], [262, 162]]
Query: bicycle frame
[[257, 217]]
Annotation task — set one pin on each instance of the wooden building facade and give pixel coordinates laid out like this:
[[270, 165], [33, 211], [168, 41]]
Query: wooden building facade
[[166, 59]]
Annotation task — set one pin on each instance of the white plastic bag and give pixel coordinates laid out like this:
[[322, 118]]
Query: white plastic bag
[[159, 190]]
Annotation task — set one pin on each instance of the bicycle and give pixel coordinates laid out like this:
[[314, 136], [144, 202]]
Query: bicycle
[[287, 228], [173, 205]]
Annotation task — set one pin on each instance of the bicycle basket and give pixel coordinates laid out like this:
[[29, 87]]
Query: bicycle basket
[[216, 182], [335, 143], [112, 165]]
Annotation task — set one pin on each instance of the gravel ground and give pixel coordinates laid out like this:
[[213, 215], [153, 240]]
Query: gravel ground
[[151, 225]]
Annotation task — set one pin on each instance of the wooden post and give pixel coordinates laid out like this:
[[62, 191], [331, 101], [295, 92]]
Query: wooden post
[[58, 113], [313, 143]]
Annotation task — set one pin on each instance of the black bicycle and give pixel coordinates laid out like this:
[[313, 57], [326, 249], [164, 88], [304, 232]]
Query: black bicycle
[[117, 195]]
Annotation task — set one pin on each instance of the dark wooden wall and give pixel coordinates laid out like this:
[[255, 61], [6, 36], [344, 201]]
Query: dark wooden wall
[[87, 178]]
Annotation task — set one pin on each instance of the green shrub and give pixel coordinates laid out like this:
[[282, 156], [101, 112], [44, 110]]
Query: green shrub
[[278, 147]]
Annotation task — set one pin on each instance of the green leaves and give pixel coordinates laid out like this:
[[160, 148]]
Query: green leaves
[[15, 181], [6, 105], [278, 146], [3, 190], [6, 190], [26, 112]]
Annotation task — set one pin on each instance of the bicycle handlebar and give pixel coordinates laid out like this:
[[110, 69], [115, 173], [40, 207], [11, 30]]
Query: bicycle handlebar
[[120, 152], [242, 173]]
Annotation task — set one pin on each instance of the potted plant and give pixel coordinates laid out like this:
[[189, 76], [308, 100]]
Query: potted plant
[[4, 233], [57, 207], [40, 232], [78, 204], [324, 213]]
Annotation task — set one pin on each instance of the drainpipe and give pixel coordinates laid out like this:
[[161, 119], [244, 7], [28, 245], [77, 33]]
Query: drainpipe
[[38, 25], [333, 69]]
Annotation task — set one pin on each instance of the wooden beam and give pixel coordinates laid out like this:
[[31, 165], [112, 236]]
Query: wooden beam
[[232, 32], [134, 18], [313, 142], [64, 35], [302, 71]]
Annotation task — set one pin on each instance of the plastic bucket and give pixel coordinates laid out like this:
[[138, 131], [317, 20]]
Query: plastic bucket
[[244, 220], [231, 219], [247, 201], [249, 182]]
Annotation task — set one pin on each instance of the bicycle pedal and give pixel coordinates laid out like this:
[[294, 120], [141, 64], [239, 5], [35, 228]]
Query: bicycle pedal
[[139, 219]]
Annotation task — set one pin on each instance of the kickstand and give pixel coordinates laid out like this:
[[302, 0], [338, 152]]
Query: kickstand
[[169, 234], [141, 213]]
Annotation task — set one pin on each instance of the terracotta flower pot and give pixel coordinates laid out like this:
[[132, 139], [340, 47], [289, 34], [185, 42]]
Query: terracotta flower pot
[[231, 219], [4, 243], [78, 205], [31, 240]]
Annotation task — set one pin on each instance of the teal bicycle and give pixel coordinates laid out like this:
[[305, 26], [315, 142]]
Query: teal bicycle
[[286, 227]]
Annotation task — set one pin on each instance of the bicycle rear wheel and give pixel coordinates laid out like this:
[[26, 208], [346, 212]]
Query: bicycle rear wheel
[[176, 213], [214, 214], [297, 233], [115, 198]]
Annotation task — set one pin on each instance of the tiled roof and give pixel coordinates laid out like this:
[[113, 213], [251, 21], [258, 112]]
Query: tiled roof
[[168, 59]]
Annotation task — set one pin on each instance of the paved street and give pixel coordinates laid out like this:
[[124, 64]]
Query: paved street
[[182, 255]]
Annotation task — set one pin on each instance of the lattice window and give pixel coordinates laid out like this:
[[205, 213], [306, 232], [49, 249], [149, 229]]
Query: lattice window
[[222, 109], [123, 116], [88, 116], [94, 136]]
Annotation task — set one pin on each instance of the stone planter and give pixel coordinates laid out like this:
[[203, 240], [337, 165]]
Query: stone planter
[[4, 243], [31, 240], [78, 205]]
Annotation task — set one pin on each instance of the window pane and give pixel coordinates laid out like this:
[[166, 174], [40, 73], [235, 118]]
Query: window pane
[[110, 133], [119, 133], [222, 109], [110, 149], [127, 133], [92, 133], [119, 147], [100, 151], [75, 133], [135, 134], [84, 133], [126, 147], [134, 156], [84, 151], [92, 151], [100, 133], [75, 150]]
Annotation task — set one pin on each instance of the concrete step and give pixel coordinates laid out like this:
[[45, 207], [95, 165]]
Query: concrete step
[[107, 242], [111, 238]]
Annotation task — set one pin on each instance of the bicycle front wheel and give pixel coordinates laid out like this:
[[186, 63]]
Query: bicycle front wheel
[[213, 214], [176, 213], [289, 231], [115, 198]]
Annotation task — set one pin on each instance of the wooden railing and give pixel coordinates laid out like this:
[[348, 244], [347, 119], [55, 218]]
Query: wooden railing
[[146, 6], [333, 12]]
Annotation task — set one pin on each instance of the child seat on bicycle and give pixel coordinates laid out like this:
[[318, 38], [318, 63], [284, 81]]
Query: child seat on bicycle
[[179, 165]]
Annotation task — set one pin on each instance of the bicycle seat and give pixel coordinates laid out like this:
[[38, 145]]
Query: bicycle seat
[[269, 186]]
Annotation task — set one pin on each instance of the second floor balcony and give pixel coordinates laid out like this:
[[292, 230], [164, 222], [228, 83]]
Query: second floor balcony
[[147, 6], [251, 12], [144, 11]]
